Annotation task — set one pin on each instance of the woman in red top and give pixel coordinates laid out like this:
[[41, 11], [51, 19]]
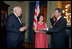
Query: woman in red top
[[41, 37]]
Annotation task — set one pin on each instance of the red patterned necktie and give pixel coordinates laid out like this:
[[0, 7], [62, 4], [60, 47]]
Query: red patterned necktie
[[56, 21]]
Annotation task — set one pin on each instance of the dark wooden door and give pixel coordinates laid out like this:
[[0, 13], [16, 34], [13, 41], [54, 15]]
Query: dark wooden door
[[4, 14], [43, 10]]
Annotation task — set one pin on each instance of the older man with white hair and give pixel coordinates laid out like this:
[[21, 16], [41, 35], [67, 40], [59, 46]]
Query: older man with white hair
[[14, 28]]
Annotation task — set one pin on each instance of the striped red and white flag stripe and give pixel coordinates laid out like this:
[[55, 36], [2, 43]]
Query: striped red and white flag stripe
[[37, 11]]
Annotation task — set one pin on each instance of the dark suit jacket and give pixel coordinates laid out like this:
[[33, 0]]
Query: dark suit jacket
[[58, 32], [13, 34]]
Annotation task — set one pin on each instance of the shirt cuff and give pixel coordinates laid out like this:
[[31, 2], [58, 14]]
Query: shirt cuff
[[47, 29]]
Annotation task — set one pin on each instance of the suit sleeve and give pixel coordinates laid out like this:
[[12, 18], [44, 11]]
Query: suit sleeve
[[10, 26], [62, 25], [52, 21]]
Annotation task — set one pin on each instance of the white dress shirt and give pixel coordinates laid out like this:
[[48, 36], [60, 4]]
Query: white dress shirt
[[59, 18]]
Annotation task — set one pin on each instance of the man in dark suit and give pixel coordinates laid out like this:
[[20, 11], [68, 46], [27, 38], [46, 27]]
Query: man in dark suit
[[14, 28], [58, 30]]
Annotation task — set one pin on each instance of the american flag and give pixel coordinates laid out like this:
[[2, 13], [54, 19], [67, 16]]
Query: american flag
[[37, 11]]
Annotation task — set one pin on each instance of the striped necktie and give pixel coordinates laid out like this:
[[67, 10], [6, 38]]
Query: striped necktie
[[19, 20], [56, 21]]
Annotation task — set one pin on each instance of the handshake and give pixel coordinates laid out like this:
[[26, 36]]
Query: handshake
[[23, 28]]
